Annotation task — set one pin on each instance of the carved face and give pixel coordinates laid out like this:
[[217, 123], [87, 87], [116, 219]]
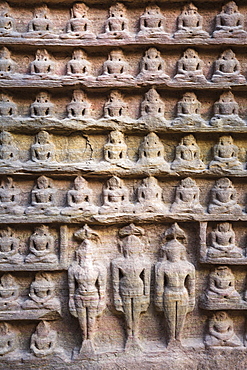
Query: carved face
[[190, 10], [152, 53], [190, 53], [42, 137], [5, 138], [226, 140], [42, 182], [152, 10], [117, 11], [228, 55], [78, 54], [224, 227], [42, 97], [79, 10], [230, 8], [188, 140], [224, 183], [4, 53], [116, 55]]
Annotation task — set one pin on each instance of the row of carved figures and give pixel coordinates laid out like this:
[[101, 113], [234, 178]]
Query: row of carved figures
[[226, 109], [44, 341], [228, 24], [227, 68], [41, 248], [151, 152], [115, 196], [174, 287]]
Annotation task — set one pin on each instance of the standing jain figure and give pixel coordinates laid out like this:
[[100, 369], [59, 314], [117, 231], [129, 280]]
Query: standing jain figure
[[174, 283], [87, 284]]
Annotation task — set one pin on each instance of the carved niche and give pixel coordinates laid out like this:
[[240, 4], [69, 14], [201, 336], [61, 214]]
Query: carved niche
[[115, 68], [149, 197], [227, 69], [43, 340], [43, 150], [115, 107], [229, 23], [152, 24], [79, 66], [152, 66], [187, 198], [79, 107], [188, 112], [10, 198], [117, 25], [7, 23], [190, 24], [8, 339], [41, 25], [7, 107], [226, 112], [151, 152], [8, 66], [42, 106], [42, 66], [187, 156], [226, 156], [190, 68], [8, 149]]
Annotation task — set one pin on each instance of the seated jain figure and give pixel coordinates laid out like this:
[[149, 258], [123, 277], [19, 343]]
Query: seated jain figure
[[187, 198], [79, 199], [190, 24], [8, 149], [188, 112], [151, 152], [116, 26], [115, 68], [43, 150], [43, 197], [115, 107], [8, 340], [7, 106], [41, 296], [10, 198], [226, 112], [42, 107], [115, 197], [152, 66], [87, 286], [149, 197], [152, 24], [131, 282], [226, 155], [79, 66], [9, 293], [227, 69], [43, 340], [40, 26], [223, 198], [229, 23], [152, 107], [7, 66], [223, 243], [42, 66], [79, 26], [174, 282], [115, 150], [7, 23], [79, 107], [187, 156], [9, 247], [41, 247], [190, 68], [221, 332], [221, 287]]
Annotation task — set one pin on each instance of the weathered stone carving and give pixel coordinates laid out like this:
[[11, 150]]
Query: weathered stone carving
[[226, 155], [7, 23], [187, 156], [9, 293], [43, 197], [222, 244], [41, 25], [226, 111], [115, 197], [42, 66], [115, 150], [41, 247], [224, 198], [116, 26], [131, 282], [152, 66], [151, 152], [115, 68], [229, 23], [149, 197], [9, 248], [43, 150], [42, 106], [152, 107], [7, 106], [79, 107], [79, 26], [42, 294], [221, 289], [87, 285], [79, 199], [115, 107], [43, 340], [174, 282], [79, 66], [152, 24], [190, 68], [190, 24], [227, 69], [8, 341], [221, 332], [10, 198], [8, 67], [8, 149], [188, 112], [187, 198]]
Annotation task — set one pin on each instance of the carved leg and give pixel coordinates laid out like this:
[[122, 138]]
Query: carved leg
[[181, 311], [91, 318], [82, 317], [127, 306], [170, 317]]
